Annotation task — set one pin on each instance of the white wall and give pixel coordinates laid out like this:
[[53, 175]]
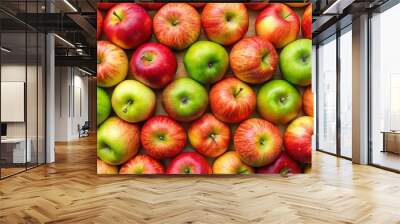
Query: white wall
[[70, 83]]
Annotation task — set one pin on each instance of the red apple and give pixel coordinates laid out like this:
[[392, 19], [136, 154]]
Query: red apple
[[154, 65], [278, 23], [162, 137], [189, 163], [99, 24], [105, 168], [308, 102], [127, 25], [306, 22], [298, 139], [253, 60], [209, 136], [142, 164], [177, 25], [105, 5], [232, 100], [225, 23], [258, 142], [283, 165], [256, 6], [151, 5], [112, 64], [230, 163]]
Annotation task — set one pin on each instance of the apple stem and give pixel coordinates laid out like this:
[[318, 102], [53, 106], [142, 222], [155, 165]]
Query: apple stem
[[284, 172], [238, 92], [115, 14], [242, 170], [125, 109]]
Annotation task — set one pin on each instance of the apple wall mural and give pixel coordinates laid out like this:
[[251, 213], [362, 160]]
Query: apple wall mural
[[196, 88]]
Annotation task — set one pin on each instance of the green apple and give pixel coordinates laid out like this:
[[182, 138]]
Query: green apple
[[103, 105], [117, 141], [184, 99], [296, 61], [132, 101], [206, 61], [278, 101]]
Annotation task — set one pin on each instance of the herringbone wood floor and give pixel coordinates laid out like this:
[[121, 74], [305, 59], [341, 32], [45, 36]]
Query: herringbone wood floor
[[69, 191]]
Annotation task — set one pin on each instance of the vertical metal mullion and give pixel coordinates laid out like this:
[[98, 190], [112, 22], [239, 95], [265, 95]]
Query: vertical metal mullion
[[338, 100], [37, 90], [26, 86], [369, 96], [316, 97], [0, 93]]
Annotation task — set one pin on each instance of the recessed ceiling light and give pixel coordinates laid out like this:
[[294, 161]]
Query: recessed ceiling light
[[64, 40], [70, 5], [5, 50]]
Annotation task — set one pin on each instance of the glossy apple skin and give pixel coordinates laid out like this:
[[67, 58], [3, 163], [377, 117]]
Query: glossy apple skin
[[306, 22], [254, 60], [103, 105], [99, 24], [162, 137], [296, 61], [112, 64], [209, 136], [132, 101], [206, 62], [230, 163], [308, 102], [256, 6], [232, 100], [127, 25], [225, 23], [184, 99], [142, 164], [280, 166], [189, 163], [278, 101], [298, 139], [258, 142], [104, 168], [117, 141], [151, 6], [272, 26], [154, 65], [105, 5], [177, 25]]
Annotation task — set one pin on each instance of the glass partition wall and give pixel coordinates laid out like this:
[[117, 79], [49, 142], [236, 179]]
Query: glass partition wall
[[22, 77]]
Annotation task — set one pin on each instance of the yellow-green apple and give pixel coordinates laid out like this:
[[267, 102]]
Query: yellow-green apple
[[132, 101], [225, 23], [232, 100], [104, 168], [230, 163], [184, 99], [103, 105], [306, 22], [105, 5], [99, 24], [142, 164], [127, 25], [153, 64], [297, 139], [297, 5], [209, 136], [177, 25], [278, 23], [258, 142], [112, 64], [283, 165], [254, 60], [278, 101], [308, 102], [151, 5], [189, 163], [117, 141], [206, 61], [163, 137], [256, 6], [296, 61]]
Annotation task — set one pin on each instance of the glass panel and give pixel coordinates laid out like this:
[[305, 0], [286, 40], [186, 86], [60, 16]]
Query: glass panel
[[385, 84], [41, 99], [327, 96], [346, 93]]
